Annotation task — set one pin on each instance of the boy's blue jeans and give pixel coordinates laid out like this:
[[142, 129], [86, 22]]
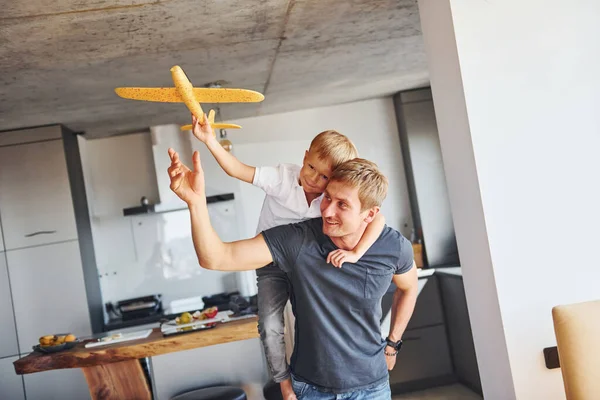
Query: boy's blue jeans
[[273, 294], [304, 391]]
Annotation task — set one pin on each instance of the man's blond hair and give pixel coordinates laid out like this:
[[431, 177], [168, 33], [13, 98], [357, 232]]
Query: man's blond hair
[[334, 147], [365, 175]]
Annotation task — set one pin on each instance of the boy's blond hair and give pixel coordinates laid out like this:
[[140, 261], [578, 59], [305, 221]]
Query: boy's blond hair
[[334, 147], [365, 175]]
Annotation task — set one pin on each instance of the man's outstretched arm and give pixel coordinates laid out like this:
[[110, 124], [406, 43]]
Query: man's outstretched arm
[[212, 252]]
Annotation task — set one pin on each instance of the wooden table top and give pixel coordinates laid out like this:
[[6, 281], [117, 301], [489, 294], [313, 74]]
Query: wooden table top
[[153, 345]]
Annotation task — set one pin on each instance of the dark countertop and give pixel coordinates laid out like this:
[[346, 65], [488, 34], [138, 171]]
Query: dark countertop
[[119, 323]]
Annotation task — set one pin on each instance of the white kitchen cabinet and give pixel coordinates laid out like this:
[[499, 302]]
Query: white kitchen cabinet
[[48, 292], [11, 384], [58, 384], [36, 206], [8, 334]]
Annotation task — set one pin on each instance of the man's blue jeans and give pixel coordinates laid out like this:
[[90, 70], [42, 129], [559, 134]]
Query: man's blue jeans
[[304, 391]]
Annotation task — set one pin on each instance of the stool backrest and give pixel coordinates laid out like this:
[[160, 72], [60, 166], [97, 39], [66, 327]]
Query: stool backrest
[[577, 329]]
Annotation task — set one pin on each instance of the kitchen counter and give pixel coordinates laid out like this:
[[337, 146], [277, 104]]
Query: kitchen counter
[[114, 371], [455, 271]]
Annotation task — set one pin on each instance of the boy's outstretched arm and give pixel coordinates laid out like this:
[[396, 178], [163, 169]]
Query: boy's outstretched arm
[[339, 256], [231, 165], [212, 252]]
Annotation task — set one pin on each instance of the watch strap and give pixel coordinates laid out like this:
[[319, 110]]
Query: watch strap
[[395, 345]]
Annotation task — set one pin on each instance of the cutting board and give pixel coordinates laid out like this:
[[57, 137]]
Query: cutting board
[[124, 337]]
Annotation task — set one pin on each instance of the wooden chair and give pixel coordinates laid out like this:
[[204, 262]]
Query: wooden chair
[[577, 329]]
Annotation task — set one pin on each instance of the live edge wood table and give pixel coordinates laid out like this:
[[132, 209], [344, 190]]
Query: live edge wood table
[[115, 372]]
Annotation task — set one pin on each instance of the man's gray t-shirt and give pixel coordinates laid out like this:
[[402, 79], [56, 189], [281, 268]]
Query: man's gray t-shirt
[[338, 344]]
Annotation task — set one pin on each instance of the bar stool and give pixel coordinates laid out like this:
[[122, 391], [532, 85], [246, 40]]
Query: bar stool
[[213, 393], [272, 391]]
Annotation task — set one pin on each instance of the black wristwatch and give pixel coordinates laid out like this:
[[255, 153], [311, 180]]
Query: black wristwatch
[[395, 345]]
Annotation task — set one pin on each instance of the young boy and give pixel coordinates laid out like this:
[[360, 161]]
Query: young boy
[[293, 194]]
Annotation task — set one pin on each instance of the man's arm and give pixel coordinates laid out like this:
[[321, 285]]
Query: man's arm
[[403, 306], [212, 252], [231, 165], [241, 255]]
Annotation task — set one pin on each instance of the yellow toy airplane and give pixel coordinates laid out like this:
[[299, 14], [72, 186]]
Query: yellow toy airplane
[[184, 92]]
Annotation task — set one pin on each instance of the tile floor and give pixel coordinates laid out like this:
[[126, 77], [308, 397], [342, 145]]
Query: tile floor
[[451, 392]]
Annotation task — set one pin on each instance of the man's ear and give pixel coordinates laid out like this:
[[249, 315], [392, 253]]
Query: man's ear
[[371, 213]]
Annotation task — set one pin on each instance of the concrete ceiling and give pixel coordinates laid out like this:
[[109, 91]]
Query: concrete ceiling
[[60, 60]]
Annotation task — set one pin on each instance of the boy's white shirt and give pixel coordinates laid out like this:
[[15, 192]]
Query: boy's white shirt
[[285, 201]]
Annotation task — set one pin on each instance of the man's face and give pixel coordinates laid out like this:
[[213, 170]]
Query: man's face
[[315, 173], [341, 210]]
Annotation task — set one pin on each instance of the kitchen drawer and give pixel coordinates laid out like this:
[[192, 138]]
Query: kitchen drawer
[[36, 206], [428, 309], [48, 292], [8, 334], [424, 354], [11, 384]]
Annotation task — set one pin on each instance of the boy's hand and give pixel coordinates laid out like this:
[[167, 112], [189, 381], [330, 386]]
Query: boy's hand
[[202, 130], [187, 184], [339, 256]]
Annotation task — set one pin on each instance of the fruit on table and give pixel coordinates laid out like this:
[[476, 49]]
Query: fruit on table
[[185, 318], [209, 313], [54, 340]]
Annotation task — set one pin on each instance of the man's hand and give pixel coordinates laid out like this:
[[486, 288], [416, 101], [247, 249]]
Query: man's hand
[[287, 390], [390, 360], [339, 256], [187, 184], [202, 130]]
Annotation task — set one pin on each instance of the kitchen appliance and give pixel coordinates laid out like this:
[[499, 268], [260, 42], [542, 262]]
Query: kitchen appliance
[[139, 307]]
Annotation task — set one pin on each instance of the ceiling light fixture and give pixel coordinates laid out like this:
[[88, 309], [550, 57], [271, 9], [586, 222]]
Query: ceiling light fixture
[[224, 142]]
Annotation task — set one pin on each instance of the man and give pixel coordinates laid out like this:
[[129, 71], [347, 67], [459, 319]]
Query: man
[[338, 347]]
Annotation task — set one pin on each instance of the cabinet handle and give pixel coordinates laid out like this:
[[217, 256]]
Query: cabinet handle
[[40, 233]]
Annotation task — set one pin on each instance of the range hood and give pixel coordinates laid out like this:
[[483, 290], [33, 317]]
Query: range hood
[[163, 137]]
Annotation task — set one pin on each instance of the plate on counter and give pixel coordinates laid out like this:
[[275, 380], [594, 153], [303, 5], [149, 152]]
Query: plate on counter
[[53, 348], [56, 348], [172, 327]]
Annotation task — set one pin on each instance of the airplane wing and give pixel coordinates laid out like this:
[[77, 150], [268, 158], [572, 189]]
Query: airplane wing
[[203, 95], [216, 125]]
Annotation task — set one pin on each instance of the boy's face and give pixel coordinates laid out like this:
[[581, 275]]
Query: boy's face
[[315, 173]]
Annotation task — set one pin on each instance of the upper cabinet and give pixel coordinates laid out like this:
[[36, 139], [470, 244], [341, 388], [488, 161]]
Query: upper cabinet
[[36, 206]]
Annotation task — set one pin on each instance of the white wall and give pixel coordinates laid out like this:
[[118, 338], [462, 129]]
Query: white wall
[[516, 96], [371, 125]]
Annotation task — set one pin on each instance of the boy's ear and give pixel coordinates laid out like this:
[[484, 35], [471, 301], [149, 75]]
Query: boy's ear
[[371, 214], [305, 154]]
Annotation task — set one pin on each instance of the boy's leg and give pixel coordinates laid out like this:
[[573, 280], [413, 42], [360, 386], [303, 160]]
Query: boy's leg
[[273, 295]]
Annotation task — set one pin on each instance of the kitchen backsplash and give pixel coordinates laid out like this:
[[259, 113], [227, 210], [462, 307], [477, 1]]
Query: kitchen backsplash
[[154, 254]]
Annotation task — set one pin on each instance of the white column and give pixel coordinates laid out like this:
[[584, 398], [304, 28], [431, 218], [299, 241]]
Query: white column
[[516, 89]]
